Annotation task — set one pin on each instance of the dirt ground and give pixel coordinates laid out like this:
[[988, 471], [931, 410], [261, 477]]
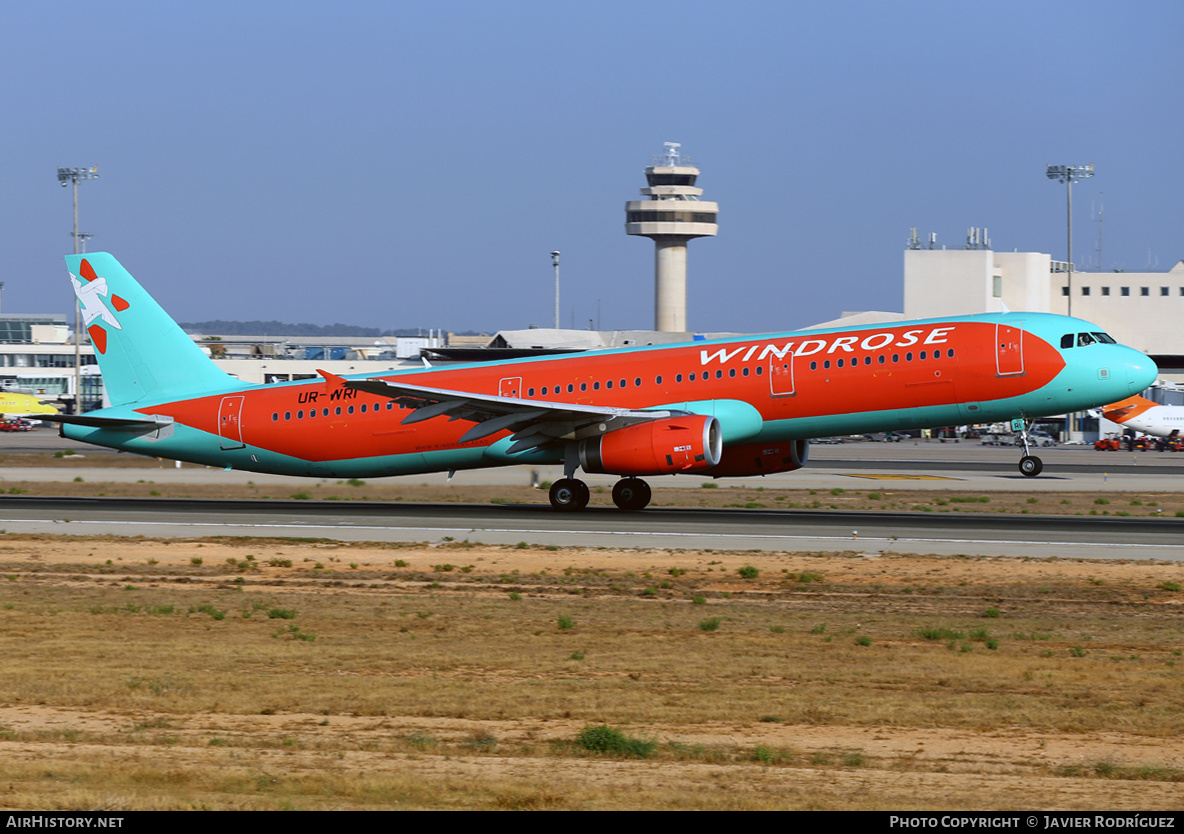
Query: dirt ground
[[73, 745]]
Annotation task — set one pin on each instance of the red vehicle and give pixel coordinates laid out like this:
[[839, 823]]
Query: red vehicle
[[1107, 444], [15, 425]]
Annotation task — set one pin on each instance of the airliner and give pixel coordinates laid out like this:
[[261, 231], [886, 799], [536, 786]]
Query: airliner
[[23, 405], [1146, 416], [731, 407]]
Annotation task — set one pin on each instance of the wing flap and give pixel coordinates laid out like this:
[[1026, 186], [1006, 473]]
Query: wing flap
[[534, 422]]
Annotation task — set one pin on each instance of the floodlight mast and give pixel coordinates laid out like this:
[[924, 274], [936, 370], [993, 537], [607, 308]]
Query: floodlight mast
[[1070, 174], [555, 263], [72, 176]]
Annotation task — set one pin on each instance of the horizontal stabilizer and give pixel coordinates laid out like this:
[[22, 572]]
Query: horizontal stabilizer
[[120, 423]]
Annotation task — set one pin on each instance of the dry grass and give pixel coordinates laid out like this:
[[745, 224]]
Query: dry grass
[[294, 674]]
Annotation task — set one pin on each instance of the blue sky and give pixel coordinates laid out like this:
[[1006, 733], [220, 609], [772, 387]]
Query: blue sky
[[413, 164]]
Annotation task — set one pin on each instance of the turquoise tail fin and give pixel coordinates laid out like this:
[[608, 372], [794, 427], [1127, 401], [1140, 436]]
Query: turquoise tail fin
[[141, 351]]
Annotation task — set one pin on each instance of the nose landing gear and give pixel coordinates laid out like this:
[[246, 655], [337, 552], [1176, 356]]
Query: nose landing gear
[[1030, 465]]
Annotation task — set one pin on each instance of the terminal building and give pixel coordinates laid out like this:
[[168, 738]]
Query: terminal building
[[37, 356], [1141, 309]]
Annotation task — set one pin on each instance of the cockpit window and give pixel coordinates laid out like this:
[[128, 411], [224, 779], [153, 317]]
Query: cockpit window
[[1083, 339]]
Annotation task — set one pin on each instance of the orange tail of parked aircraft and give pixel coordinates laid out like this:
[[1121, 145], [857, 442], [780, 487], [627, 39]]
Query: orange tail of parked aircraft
[[730, 407], [1143, 415]]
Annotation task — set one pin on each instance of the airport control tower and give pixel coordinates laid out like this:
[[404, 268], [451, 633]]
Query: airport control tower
[[671, 216]]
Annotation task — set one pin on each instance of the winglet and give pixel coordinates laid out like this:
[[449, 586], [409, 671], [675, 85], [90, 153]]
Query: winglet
[[333, 379]]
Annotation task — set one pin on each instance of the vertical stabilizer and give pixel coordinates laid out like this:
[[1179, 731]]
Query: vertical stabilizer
[[142, 353]]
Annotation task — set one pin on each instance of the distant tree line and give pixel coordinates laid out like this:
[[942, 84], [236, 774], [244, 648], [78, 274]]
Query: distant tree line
[[279, 328]]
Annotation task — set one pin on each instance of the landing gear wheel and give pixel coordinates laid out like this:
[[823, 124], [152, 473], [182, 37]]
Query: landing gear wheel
[[1031, 466], [569, 494], [631, 494]]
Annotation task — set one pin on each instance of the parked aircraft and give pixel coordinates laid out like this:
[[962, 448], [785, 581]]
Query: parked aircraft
[[23, 405], [1146, 416], [728, 407]]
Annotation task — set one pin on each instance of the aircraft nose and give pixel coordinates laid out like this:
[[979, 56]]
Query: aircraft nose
[[1137, 369]]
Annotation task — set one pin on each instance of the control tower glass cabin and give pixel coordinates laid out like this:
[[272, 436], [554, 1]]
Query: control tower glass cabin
[[673, 214]]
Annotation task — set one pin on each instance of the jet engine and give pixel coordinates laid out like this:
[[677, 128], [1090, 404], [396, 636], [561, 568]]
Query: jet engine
[[690, 443], [761, 459]]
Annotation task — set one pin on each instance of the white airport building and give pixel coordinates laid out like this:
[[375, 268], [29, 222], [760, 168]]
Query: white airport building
[[1144, 310]]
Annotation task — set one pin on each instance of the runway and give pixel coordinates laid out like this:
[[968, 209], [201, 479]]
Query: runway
[[865, 533], [915, 465], [925, 465]]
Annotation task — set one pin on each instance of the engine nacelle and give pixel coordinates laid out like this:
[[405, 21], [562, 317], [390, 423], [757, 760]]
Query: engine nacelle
[[689, 443], [762, 459]]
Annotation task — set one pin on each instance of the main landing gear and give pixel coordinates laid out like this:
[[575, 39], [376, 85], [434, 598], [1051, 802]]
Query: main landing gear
[[570, 494], [631, 494], [1030, 465]]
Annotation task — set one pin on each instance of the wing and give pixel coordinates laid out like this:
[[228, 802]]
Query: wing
[[533, 423]]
